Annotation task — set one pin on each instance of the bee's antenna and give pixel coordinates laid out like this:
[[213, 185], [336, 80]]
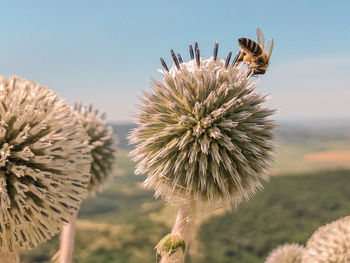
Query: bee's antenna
[[228, 59], [164, 64], [180, 58], [175, 59], [197, 54], [216, 48], [191, 51]]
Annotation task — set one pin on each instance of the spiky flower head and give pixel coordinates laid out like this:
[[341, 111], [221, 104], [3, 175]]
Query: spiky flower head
[[44, 166], [329, 243], [288, 253], [203, 133], [101, 144]]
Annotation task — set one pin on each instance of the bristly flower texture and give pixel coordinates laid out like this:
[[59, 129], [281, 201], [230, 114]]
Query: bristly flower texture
[[288, 253], [329, 243], [44, 164], [101, 143], [203, 133]]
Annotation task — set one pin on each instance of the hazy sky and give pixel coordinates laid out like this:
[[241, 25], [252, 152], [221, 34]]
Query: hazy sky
[[106, 51]]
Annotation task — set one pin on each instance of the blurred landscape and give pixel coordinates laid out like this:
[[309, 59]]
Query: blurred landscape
[[309, 187]]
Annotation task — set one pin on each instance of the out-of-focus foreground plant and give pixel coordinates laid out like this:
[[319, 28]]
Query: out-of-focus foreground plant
[[288, 253], [329, 243], [44, 165]]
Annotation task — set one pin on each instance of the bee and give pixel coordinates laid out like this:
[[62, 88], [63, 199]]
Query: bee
[[254, 54]]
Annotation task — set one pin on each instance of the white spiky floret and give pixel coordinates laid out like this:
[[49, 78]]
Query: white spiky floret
[[44, 165], [101, 143], [288, 253], [329, 243], [203, 133]]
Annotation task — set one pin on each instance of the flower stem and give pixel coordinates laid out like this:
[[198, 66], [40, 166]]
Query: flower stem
[[67, 241], [10, 257], [183, 226]]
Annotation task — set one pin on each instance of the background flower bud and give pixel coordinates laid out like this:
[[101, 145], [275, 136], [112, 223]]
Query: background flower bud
[[101, 143]]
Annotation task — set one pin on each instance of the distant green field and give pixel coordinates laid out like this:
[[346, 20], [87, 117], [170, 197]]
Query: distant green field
[[124, 222], [288, 210], [119, 227], [296, 140]]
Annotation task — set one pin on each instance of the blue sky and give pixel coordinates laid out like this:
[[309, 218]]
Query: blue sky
[[105, 52]]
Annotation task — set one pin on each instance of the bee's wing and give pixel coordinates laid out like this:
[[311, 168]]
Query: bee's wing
[[269, 48], [261, 37]]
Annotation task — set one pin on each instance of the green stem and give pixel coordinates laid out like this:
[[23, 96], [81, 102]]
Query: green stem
[[184, 227]]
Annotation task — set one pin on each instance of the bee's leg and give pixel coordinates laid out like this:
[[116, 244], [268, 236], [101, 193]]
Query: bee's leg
[[240, 56], [259, 72], [259, 69], [237, 58]]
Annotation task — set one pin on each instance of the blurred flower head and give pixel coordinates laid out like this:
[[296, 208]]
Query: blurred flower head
[[329, 243], [44, 166], [203, 133], [288, 253], [101, 143]]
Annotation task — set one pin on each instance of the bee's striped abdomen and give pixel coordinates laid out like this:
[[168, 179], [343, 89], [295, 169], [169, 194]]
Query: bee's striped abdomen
[[250, 46]]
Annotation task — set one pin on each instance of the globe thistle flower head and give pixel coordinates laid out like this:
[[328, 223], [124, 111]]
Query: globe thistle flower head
[[203, 133], [101, 143], [288, 253], [329, 243], [44, 166]]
